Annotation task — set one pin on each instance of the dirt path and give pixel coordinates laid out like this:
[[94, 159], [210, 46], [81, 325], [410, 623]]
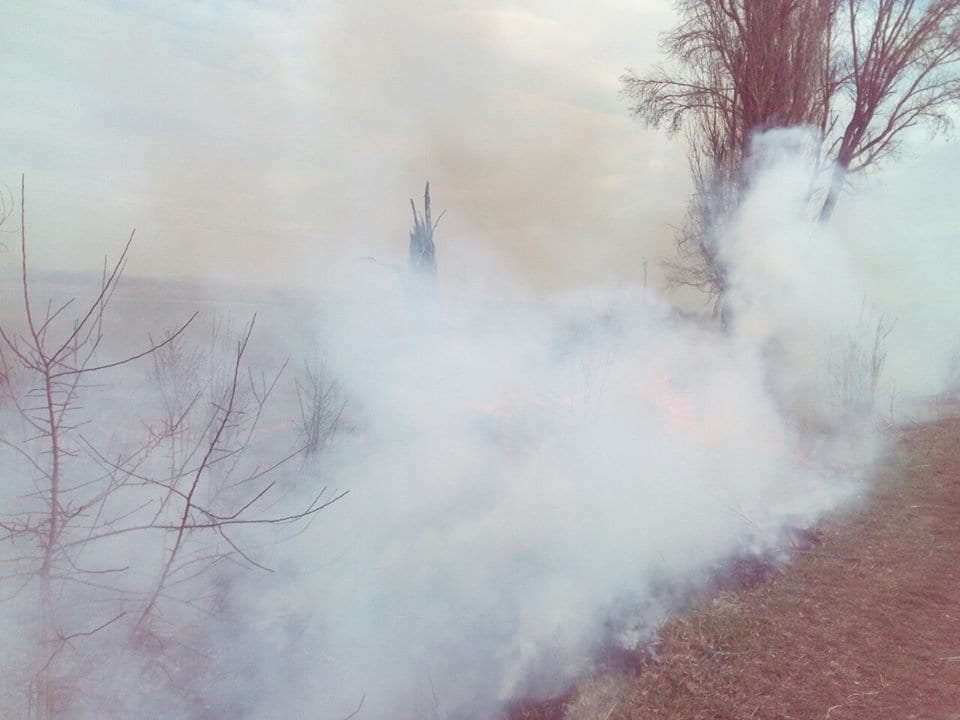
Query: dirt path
[[864, 624]]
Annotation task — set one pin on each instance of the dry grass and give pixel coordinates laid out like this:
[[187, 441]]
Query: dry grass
[[863, 624]]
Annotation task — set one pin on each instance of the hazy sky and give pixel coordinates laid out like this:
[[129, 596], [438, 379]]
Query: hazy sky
[[247, 139]]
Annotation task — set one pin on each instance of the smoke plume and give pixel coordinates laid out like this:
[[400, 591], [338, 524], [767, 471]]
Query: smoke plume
[[531, 476]]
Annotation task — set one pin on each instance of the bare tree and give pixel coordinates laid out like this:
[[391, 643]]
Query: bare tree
[[742, 67], [68, 537], [860, 71], [6, 210], [904, 60]]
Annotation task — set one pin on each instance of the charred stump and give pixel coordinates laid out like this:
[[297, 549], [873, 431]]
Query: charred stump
[[423, 252]]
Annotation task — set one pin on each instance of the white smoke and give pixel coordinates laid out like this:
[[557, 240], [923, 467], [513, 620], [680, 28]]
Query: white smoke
[[526, 477], [530, 476]]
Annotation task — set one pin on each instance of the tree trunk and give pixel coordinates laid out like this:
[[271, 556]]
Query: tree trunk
[[837, 181]]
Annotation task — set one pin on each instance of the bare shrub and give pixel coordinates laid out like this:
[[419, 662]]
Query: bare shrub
[[321, 405], [126, 550], [857, 366]]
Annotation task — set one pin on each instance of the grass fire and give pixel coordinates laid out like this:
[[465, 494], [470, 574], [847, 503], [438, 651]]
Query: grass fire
[[650, 413]]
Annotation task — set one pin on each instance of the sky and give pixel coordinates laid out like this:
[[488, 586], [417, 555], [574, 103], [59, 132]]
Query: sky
[[249, 139], [254, 140]]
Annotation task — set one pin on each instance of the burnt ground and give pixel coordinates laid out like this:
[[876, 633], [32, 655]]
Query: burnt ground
[[863, 623]]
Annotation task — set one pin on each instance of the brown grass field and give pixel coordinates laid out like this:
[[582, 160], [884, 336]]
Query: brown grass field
[[864, 623]]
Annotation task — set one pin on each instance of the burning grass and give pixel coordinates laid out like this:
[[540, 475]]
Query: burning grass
[[864, 623]]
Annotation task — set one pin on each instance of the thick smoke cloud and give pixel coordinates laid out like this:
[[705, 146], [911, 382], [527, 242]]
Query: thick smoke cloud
[[528, 478], [531, 478]]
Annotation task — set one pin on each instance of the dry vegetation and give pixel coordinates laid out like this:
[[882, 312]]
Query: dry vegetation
[[864, 623], [121, 534]]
